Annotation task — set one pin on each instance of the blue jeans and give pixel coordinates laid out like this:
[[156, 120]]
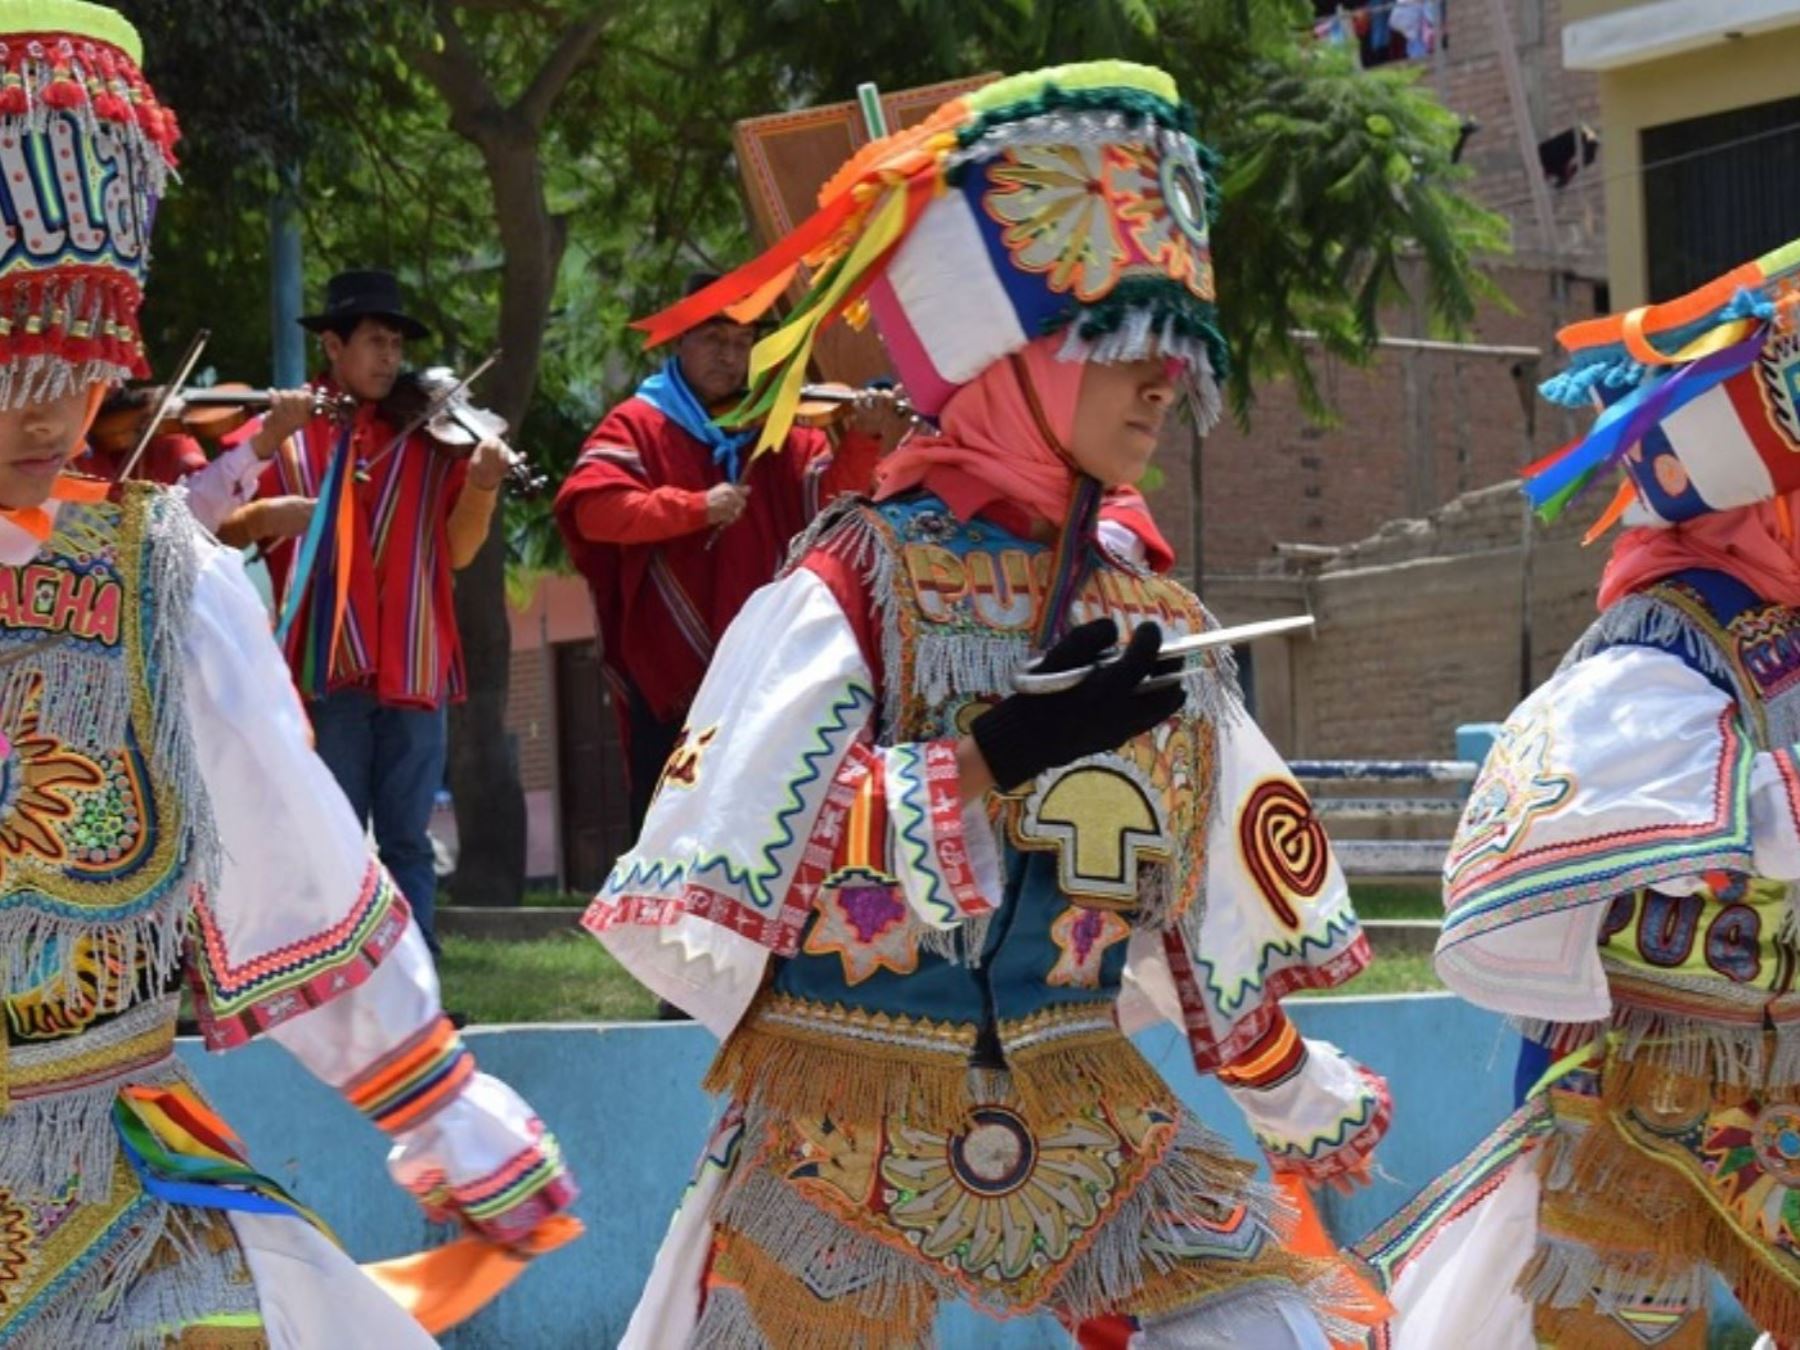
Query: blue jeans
[[390, 763]]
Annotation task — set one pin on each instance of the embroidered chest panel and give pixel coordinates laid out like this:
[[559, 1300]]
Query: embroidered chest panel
[[962, 607], [93, 845], [1760, 642]]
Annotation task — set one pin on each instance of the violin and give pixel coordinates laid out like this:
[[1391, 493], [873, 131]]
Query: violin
[[208, 414], [828, 403], [435, 401], [821, 405]]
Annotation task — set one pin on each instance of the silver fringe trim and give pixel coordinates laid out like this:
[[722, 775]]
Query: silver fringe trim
[[44, 1141], [117, 1302], [1147, 1228], [1569, 1274], [149, 170], [46, 377], [1647, 621], [1140, 336], [86, 703], [1068, 127]]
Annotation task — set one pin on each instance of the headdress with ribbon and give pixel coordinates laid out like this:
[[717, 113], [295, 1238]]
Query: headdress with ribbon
[[1699, 398], [85, 152], [1071, 200]]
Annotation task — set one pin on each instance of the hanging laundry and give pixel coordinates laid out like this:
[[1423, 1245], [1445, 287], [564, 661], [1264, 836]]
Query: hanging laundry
[[1419, 22], [1566, 153]]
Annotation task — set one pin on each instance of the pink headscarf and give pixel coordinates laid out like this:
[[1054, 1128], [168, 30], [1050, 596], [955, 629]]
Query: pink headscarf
[[992, 448], [1755, 544]]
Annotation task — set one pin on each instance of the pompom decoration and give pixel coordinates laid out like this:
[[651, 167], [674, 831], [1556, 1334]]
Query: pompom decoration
[[1699, 401], [73, 100]]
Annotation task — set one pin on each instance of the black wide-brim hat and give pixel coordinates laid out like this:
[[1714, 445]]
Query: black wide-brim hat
[[370, 294]]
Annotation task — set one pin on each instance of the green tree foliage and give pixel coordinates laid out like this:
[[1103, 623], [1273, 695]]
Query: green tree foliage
[[541, 171]]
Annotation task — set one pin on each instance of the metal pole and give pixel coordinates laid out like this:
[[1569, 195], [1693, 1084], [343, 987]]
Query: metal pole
[[553, 714], [1431, 345]]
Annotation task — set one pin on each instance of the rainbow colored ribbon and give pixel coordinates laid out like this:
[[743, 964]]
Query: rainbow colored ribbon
[[1554, 481], [322, 567], [185, 1155]]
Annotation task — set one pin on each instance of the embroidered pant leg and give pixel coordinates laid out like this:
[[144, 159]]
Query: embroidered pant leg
[[344, 735], [410, 746], [1254, 1322]]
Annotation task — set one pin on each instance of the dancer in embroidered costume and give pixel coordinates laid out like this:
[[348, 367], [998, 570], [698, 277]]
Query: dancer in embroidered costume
[[976, 895], [1621, 880], [161, 815]]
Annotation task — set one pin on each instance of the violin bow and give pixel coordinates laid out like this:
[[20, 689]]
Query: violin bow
[[432, 409], [171, 391]]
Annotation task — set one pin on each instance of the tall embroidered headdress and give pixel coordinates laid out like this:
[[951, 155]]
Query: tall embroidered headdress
[[1699, 399], [85, 152], [1069, 200]]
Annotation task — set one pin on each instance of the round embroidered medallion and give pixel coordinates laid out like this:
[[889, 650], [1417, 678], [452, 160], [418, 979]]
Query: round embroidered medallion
[[1778, 1142], [996, 1155]]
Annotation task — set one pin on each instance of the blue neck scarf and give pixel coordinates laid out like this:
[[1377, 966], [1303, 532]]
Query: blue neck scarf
[[669, 393]]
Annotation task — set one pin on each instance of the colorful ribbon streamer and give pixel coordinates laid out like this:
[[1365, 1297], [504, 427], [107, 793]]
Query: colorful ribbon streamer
[[185, 1155], [322, 567], [1554, 481]]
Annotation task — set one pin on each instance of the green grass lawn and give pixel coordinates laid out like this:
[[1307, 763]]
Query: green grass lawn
[[570, 978], [1414, 901], [566, 978]]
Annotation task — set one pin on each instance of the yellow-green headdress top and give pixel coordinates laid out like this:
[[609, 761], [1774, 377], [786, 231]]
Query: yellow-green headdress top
[[1070, 200], [85, 153]]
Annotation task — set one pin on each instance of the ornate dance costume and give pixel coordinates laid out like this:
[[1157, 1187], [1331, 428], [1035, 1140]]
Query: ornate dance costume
[[926, 1005], [1621, 880], [162, 817]]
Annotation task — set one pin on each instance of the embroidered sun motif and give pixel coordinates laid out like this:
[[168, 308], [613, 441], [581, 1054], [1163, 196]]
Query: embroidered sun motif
[[1059, 217], [36, 777], [1516, 787], [1162, 200]]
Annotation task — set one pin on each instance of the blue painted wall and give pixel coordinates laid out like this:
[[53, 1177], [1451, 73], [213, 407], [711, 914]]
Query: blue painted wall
[[624, 1102]]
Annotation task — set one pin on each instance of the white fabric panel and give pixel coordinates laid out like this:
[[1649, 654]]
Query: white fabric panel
[[1327, 1088], [1634, 735], [963, 317], [1709, 438], [225, 484], [1460, 1289], [312, 1295], [294, 854]]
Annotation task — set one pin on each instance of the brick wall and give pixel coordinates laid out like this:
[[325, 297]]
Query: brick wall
[[1419, 626], [1412, 431], [531, 717]]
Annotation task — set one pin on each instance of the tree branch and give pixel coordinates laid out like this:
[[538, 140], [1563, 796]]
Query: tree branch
[[455, 72], [559, 68]]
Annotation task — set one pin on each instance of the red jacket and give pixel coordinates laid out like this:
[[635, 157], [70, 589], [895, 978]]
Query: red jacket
[[666, 584]]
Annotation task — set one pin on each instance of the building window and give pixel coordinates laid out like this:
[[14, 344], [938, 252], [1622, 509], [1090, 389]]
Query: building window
[[1718, 191]]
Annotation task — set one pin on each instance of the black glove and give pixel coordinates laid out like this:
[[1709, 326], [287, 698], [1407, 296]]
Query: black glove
[[1025, 734]]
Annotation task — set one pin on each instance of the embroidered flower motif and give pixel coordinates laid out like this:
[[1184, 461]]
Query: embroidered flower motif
[[1162, 200], [997, 1200], [1082, 936], [865, 925], [36, 776], [1752, 1158], [1059, 217], [1516, 787]]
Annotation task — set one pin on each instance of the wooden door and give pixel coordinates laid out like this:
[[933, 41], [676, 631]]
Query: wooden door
[[590, 768]]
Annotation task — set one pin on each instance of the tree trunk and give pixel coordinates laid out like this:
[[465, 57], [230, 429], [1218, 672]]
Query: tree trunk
[[484, 769], [484, 766]]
